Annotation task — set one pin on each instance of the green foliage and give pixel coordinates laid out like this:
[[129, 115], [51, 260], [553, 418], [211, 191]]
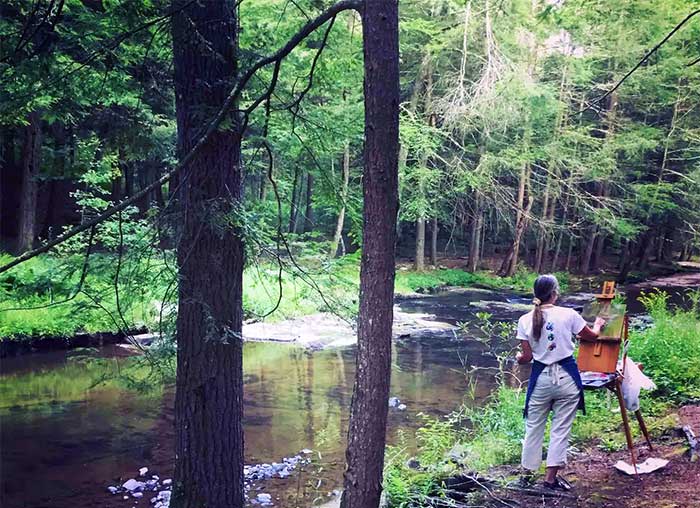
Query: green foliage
[[669, 349]]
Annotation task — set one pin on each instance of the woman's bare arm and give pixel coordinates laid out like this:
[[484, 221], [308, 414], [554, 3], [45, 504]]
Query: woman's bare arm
[[524, 356], [591, 334]]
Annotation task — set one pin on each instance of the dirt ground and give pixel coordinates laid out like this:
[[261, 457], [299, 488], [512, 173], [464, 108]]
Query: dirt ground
[[597, 484]]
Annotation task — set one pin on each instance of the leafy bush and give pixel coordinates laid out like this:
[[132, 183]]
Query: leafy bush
[[670, 349]]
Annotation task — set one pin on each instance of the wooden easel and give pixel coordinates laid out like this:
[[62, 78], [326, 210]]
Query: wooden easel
[[602, 355]]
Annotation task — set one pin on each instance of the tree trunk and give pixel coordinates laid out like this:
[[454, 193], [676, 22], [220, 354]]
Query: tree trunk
[[569, 254], [369, 407], [295, 200], [337, 237], [309, 214], [541, 240], [209, 385], [419, 264], [31, 162], [524, 205], [587, 253], [434, 228], [420, 221], [475, 237]]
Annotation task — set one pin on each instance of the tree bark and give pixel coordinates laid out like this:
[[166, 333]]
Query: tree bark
[[369, 407], [337, 237], [419, 264], [31, 162], [434, 228], [309, 213], [209, 386], [475, 236], [524, 205], [294, 205], [541, 240], [569, 254]]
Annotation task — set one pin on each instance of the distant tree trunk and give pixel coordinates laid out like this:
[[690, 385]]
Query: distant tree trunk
[[475, 235], [560, 238], [209, 383], [587, 253], [524, 205], [31, 162], [597, 259], [296, 192], [569, 254], [625, 261], [419, 264], [10, 186], [369, 407], [309, 215], [541, 239], [599, 249], [338, 236], [433, 241], [420, 221]]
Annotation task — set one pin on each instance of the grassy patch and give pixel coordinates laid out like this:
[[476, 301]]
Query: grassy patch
[[43, 296], [522, 281]]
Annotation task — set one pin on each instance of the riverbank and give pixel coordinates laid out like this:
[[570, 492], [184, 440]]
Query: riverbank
[[50, 298], [488, 439]]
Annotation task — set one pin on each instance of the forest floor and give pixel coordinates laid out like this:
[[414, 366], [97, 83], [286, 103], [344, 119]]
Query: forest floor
[[597, 484]]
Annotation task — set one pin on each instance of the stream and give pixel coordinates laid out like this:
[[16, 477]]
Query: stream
[[65, 436]]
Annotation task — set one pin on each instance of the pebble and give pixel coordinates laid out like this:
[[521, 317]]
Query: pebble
[[143, 471], [264, 499], [167, 481], [394, 402], [132, 485], [401, 407], [112, 489], [137, 494]]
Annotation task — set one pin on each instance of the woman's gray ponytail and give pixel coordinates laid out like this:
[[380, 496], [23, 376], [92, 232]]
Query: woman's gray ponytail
[[545, 288]]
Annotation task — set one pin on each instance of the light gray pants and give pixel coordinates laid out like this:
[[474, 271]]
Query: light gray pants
[[557, 391]]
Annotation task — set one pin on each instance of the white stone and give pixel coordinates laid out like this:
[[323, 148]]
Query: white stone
[[143, 471], [112, 489], [137, 494], [132, 485], [167, 481]]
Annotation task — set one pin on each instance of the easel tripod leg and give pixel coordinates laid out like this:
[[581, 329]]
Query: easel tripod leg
[[643, 427], [626, 424]]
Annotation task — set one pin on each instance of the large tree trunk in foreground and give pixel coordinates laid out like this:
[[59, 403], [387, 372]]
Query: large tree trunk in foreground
[[209, 396], [368, 412], [31, 161]]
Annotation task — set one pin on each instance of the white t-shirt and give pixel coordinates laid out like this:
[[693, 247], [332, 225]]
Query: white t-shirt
[[556, 341]]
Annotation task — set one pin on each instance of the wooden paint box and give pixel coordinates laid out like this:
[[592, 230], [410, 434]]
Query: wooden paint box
[[599, 356]]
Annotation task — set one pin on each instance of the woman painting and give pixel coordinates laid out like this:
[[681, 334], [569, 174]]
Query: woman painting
[[546, 336]]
